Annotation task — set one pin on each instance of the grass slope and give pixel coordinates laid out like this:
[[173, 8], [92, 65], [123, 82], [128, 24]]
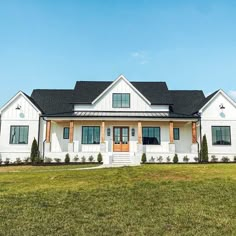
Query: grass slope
[[145, 200]]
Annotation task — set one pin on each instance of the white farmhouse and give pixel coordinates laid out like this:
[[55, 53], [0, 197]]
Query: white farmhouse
[[121, 120]]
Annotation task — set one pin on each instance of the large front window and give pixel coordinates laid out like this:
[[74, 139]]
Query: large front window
[[19, 134], [151, 136], [221, 135], [90, 135], [121, 100]]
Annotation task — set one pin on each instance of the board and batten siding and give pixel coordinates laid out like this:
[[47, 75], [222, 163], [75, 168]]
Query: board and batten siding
[[212, 115], [137, 103], [27, 115]]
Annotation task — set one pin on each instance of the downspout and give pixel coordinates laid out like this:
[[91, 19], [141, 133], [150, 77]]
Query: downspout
[[39, 134], [200, 119]]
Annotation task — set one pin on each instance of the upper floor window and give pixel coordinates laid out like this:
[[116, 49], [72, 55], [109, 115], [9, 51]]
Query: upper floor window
[[120, 100], [151, 136], [19, 134], [221, 135]]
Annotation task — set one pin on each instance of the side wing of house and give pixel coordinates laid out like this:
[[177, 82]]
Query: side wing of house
[[19, 126], [219, 126]]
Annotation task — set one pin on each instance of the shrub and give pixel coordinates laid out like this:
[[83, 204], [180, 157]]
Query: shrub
[[160, 158], [18, 161], [176, 159], [204, 150], [0, 160], [34, 151], [76, 158], [168, 159], [7, 161], [234, 158], [214, 158], [26, 160], [38, 160], [186, 159], [57, 160], [152, 159], [83, 159], [225, 159], [99, 158], [144, 158], [48, 160], [196, 159], [91, 158], [67, 158]]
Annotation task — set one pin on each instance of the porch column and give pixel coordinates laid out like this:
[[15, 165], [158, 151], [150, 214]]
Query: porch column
[[103, 143], [103, 132], [194, 132], [140, 133], [194, 146], [171, 132], [48, 136], [71, 137]]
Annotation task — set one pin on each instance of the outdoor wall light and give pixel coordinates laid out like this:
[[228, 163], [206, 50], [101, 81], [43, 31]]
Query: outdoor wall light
[[108, 132], [133, 132]]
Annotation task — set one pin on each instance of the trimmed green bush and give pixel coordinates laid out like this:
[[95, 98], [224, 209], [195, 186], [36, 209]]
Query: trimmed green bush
[[67, 158], [144, 158], [34, 151], [176, 159], [204, 150], [99, 158]]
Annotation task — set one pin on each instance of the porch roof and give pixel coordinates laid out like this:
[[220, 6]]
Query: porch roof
[[121, 114]]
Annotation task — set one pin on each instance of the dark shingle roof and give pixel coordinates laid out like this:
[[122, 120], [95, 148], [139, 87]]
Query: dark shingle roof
[[186, 101], [53, 101], [183, 103], [156, 92]]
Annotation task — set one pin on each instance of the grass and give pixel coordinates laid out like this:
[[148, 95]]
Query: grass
[[145, 200]]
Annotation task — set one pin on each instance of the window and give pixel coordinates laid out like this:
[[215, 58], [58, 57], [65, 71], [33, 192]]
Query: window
[[66, 133], [176, 133], [221, 135], [121, 100], [19, 134], [151, 135], [90, 135]]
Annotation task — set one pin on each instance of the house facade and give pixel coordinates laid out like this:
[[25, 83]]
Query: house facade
[[121, 120]]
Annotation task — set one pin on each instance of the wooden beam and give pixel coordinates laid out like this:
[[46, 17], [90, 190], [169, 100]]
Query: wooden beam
[[48, 131], [71, 135], [194, 132], [103, 132], [140, 139], [171, 128]]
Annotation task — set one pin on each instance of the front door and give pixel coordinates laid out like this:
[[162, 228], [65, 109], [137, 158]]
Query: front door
[[120, 139]]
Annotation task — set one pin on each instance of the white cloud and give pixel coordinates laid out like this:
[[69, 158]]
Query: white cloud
[[232, 94], [141, 57]]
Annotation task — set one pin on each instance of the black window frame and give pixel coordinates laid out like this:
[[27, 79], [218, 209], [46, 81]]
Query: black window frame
[[64, 133], [121, 103], [178, 136], [19, 126], [159, 138], [82, 142], [221, 144]]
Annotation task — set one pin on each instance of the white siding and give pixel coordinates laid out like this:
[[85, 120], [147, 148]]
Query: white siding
[[212, 116], [137, 103]]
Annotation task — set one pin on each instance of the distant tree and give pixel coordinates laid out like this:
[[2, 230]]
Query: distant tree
[[34, 151], [204, 150]]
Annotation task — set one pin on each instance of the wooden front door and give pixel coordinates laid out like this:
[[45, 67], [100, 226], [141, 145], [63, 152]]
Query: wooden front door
[[120, 139]]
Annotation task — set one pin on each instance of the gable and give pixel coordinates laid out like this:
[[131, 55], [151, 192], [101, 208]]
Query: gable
[[212, 110], [20, 108]]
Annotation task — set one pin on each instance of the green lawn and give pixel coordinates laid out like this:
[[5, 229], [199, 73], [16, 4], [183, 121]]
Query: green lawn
[[145, 200]]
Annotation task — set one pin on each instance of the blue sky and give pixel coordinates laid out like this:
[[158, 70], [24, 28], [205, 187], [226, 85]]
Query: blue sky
[[52, 44]]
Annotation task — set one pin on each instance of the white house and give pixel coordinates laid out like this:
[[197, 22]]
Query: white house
[[120, 119]]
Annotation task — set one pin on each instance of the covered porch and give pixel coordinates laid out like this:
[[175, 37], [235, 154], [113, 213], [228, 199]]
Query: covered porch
[[122, 139]]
